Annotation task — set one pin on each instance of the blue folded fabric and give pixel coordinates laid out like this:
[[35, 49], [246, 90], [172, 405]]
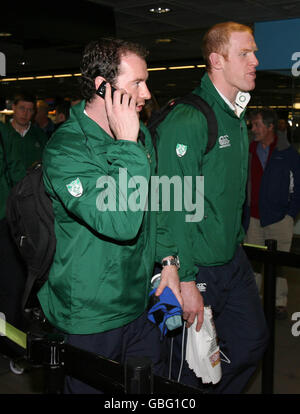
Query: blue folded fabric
[[165, 310]]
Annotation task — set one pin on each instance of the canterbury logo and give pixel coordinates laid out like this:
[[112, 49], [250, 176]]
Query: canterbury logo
[[201, 286], [224, 141]]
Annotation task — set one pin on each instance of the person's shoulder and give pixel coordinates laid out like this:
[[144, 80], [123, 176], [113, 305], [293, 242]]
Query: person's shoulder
[[183, 117], [67, 139]]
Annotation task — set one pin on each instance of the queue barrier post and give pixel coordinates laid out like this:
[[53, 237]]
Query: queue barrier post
[[60, 359], [269, 310], [46, 350], [139, 376]]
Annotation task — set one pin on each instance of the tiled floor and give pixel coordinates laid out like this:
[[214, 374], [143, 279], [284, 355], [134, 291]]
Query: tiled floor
[[286, 364]]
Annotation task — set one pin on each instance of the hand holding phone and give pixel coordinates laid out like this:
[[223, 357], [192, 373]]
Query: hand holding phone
[[121, 112], [102, 89]]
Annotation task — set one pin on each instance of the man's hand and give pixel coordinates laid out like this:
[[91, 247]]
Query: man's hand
[[170, 278], [122, 115], [193, 306]]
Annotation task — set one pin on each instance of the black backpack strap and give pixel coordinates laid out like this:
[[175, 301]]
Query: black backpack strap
[[200, 104], [205, 108]]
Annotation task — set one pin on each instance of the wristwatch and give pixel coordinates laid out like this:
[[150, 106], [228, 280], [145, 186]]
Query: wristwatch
[[173, 260]]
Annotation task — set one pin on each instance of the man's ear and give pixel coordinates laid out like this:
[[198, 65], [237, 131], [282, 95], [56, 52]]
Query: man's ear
[[216, 60]]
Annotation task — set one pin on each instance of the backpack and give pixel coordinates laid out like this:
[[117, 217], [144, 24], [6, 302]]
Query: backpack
[[190, 99], [29, 213]]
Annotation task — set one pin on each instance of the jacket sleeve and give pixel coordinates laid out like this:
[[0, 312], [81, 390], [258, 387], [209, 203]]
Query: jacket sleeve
[[180, 144], [294, 205], [98, 188]]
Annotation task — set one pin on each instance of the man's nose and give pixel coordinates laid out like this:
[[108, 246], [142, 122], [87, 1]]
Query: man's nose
[[254, 61], [145, 93]]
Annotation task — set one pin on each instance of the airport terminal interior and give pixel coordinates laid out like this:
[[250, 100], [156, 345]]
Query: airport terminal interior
[[43, 57]]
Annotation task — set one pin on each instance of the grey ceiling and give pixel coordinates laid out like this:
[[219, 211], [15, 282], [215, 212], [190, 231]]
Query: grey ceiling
[[50, 38]]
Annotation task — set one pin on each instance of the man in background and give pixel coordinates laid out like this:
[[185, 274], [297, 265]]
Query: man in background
[[62, 113], [273, 193], [29, 139], [42, 119]]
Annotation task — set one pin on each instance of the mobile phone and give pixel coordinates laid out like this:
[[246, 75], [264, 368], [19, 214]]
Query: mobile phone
[[102, 89]]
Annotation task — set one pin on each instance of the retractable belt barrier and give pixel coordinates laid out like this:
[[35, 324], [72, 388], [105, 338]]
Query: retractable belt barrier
[[135, 376], [59, 359], [271, 258]]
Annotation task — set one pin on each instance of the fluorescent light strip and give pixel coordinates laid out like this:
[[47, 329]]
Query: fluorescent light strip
[[182, 67], [155, 69], [26, 78], [44, 77], [67, 75], [8, 79]]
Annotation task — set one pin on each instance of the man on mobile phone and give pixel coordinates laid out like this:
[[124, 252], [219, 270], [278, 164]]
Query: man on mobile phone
[[99, 283]]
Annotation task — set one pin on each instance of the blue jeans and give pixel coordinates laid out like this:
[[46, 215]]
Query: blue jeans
[[232, 293]]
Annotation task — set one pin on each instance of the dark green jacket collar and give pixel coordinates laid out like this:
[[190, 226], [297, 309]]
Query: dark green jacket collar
[[87, 125]]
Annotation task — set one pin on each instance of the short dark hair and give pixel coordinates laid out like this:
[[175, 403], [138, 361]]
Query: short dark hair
[[63, 108], [268, 116], [102, 58], [24, 96]]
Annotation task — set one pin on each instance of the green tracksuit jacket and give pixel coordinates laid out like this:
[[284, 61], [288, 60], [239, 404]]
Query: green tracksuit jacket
[[103, 264], [181, 145], [11, 168], [30, 146]]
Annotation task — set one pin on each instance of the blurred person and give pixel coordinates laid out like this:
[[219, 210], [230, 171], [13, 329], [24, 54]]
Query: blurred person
[[62, 113], [283, 129], [29, 139], [273, 193], [75, 99], [150, 109], [42, 119]]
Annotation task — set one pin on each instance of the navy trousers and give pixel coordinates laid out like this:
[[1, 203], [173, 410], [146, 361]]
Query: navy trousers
[[138, 338], [232, 293]]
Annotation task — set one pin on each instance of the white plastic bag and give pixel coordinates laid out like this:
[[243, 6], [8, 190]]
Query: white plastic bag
[[202, 351]]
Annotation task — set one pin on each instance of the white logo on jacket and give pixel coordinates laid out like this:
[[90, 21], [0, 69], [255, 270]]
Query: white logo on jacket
[[224, 141], [75, 188]]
